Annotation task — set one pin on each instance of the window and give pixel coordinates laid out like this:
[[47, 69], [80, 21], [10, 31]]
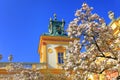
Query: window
[[60, 57]]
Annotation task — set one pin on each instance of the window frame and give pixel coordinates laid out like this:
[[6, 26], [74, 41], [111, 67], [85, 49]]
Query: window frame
[[62, 50]]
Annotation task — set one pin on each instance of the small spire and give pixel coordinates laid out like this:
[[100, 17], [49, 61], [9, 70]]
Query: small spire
[[50, 19], [55, 16], [62, 20]]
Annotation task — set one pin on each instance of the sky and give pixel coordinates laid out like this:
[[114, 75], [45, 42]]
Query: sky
[[22, 22]]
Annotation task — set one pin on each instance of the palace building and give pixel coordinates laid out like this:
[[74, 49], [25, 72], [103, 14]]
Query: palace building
[[52, 50]]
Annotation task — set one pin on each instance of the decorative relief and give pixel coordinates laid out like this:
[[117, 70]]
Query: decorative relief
[[50, 50]]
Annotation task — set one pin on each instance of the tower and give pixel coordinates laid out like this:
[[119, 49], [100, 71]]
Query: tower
[[53, 45]]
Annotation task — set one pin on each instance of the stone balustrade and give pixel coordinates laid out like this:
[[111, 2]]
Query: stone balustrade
[[35, 66]]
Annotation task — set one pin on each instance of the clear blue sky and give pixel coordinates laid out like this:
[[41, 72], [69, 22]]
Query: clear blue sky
[[23, 21]]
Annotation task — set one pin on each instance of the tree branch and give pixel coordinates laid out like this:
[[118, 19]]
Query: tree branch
[[108, 57], [98, 46]]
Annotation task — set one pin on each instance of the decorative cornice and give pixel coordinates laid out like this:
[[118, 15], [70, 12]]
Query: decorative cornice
[[54, 40]]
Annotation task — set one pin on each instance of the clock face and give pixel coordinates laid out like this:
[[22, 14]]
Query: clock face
[[58, 29]]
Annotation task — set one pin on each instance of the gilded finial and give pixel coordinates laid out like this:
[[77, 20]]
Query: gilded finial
[[55, 16]]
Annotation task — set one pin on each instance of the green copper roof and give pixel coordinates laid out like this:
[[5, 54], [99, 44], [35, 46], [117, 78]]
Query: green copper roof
[[56, 28]]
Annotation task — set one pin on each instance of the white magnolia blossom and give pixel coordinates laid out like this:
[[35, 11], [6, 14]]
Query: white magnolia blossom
[[96, 49], [28, 75], [14, 67]]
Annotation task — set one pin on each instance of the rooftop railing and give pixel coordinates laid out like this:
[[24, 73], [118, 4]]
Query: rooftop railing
[[25, 65]]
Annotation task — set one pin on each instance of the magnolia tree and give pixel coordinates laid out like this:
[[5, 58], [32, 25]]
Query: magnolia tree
[[95, 49]]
